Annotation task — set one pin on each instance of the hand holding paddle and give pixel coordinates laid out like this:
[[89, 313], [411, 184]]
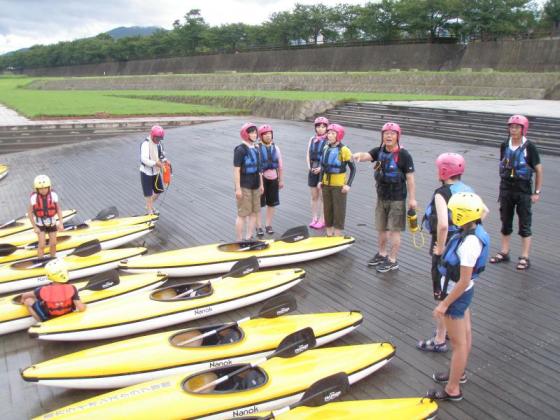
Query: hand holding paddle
[[272, 308], [291, 346]]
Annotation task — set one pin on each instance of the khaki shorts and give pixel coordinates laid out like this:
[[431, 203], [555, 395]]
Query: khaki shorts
[[390, 216], [250, 202]]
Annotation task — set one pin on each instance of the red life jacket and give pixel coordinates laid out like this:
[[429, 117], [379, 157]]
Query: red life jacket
[[57, 298], [44, 206]]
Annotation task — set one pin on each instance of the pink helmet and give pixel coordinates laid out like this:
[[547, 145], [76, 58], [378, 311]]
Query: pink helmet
[[244, 130], [338, 129], [520, 120], [156, 131], [265, 129], [393, 127], [450, 165], [321, 120]]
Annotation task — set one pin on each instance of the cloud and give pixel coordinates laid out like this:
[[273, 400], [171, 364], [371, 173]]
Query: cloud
[[24, 23]]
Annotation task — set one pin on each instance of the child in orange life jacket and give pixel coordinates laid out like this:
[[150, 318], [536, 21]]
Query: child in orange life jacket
[[315, 148], [43, 209], [55, 299], [334, 183], [273, 178]]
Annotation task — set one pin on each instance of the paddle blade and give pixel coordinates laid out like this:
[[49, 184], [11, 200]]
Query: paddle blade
[[295, 234], [295, 343], [87, 248], [107, 214], [243, 267], [102, 281], [324, 391], [7, 249], [277, 306], [10, 223]]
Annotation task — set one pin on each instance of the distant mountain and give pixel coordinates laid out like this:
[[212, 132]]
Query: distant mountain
[[123, 32]]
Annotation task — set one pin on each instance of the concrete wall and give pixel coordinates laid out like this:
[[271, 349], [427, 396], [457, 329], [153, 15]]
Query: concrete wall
[[531, 55]]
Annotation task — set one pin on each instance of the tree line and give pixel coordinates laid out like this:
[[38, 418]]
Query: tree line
[[385, 21]]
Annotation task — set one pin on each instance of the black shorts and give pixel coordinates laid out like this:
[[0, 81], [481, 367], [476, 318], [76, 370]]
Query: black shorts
[[47, 229], [270, 196], [149, 186], [313, 179]]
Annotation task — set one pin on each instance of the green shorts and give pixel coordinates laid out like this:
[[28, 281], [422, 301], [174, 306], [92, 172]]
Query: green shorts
[[390, 216]]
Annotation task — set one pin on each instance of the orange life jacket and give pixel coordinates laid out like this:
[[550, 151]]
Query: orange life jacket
[[44, 206], [167, 173], [57, 298]]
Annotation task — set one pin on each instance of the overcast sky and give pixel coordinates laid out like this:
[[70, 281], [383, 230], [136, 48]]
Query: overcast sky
[[24, 23]]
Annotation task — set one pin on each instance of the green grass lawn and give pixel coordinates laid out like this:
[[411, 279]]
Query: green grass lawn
[[54, 103]]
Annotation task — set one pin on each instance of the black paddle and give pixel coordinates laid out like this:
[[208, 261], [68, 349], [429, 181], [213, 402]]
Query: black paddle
[[320, 393], [102, 281], [107, 214], [8, 249], [295, 234], [272, 308], [87, 248], [240, 269], [291, 346], [10, 223]]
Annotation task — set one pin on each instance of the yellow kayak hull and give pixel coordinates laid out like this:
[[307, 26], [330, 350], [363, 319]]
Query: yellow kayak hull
[[91, 227], [31, 273], [213, 259], [285, 382], [129, 362], [386, 409], [4, 169], [15, 317], [146, 311], [23, 224], [108, 239]]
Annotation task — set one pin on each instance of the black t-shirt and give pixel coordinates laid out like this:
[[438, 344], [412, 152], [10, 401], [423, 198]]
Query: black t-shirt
[[520, 185], [250, 181], [394, 192]]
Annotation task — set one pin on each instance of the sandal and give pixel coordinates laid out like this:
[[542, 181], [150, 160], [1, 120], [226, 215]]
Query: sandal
[[443, 377], [442, 395], [523, 264], [500, 257], [431, 345]]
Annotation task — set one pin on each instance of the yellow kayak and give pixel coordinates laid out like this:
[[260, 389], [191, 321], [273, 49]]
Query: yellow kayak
[[14, 316], [273, 384], [86, 228], [66, 244], [4, 169], [21, 224], [386, 409], [129, 362], [28, 274], [168, 306], [294, 246]]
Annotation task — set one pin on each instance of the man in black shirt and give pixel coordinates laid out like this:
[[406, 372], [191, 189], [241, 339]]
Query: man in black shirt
[[519, 158]]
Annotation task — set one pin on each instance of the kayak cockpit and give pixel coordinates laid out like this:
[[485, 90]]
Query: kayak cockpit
[[182, 292], [243, 246], [31, 264], [193, 337], [204, 383]]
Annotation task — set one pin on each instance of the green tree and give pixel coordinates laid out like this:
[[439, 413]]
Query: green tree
[[379, 21], [429, 18], [344, 20], [552, 15], [191, 33]]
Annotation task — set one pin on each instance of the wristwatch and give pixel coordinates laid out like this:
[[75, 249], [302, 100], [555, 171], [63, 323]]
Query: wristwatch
[[537, 192]]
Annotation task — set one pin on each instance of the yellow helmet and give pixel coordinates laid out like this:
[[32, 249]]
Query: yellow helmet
[[465, 207], [57, 271], [41, 181]]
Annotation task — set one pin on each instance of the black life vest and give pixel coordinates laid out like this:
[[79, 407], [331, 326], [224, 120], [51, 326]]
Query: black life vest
[[44, 206], [429, 221], [57, 298]]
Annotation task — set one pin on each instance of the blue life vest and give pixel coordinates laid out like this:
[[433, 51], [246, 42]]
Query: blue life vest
[[269, 160], [316, 151], [450, 265], [332, 164], [251, 162], [388, 171], [429, 221], [514, 165]]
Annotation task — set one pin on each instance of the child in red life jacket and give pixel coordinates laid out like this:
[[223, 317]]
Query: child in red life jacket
[[43, 209], [55, 299]]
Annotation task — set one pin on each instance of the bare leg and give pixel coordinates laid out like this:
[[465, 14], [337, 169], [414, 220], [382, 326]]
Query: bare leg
[[330, 230], [269, 215], [395, 245], [258, 219], [41, 244], [316, 204], [383, 239], [337, 232], [52, 244], [441, 331], [525, 246], [459, 342], [28, 301], [251, 224], [149, 204], [505, 244], [239, 225]]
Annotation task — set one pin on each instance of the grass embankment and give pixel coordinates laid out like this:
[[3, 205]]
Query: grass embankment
[[58, 103]]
